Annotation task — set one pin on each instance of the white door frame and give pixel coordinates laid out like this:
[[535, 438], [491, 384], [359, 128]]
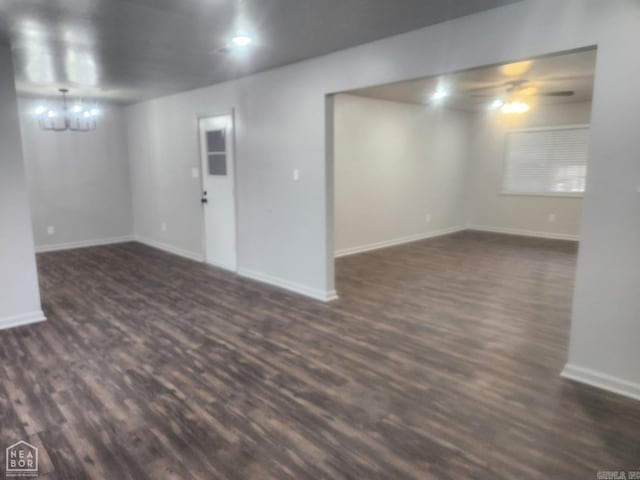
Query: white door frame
[[203, 116]]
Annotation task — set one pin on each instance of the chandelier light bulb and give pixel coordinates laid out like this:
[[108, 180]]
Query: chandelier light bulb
[[52, 114], [40, 110]]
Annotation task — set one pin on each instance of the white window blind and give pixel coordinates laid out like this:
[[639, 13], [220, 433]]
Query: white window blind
[[550, 161]]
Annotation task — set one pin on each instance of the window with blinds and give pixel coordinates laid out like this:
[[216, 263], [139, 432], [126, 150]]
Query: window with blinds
[[546, 162]]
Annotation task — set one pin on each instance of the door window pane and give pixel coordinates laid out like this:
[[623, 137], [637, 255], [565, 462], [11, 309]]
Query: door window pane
[[217, 163], [216, 141]]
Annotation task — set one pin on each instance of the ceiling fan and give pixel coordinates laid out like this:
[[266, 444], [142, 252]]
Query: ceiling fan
[[521, 88]]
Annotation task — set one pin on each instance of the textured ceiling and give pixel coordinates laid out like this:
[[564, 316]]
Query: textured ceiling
[[131, 50], [572, 71]]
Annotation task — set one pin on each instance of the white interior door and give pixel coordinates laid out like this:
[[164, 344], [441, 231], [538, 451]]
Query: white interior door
[[218, 195]]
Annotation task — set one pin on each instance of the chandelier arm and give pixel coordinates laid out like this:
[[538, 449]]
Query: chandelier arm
[[78, 128], [50, 127], [54, 129]]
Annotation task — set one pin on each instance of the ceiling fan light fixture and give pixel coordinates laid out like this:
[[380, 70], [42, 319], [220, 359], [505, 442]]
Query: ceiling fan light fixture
[[515, 107]]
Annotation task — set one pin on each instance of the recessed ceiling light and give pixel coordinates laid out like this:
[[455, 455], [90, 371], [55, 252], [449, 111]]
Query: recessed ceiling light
[[496, 104], [439, 94], [242, 40]]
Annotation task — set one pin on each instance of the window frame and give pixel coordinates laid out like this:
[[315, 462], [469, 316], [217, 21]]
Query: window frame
[[502, 191]]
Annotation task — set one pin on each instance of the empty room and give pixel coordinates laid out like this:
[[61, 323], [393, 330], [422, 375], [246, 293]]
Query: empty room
[[303, 240]]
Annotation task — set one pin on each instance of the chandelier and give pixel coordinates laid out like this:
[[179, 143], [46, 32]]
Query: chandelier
[[77, 118]]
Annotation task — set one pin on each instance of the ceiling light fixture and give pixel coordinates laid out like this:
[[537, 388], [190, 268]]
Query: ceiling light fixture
[[439, 94], [515, 107], [241, 40], [496, 104], [76, 119]]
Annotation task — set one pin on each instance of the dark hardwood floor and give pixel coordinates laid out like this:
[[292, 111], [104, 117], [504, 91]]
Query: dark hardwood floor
[[441, 360]]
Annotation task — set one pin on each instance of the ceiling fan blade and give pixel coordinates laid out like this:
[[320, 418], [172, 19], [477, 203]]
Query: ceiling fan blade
[[562, 93], [565, 78], [490, 87]]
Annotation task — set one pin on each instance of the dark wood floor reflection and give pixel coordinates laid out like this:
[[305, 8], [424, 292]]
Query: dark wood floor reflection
[[440, 361]]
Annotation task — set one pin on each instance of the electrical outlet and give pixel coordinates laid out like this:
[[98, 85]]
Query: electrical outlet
[[51, 230], [551, 217], [427, 218], [163, 227], [296, 175]]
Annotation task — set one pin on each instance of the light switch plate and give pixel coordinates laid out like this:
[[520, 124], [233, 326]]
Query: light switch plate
[[195, 173]]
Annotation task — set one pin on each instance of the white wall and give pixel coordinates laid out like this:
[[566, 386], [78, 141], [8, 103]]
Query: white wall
[[19, 294], [280, 127], [78, 181], [395, 163], [286, 228], [491, 210]]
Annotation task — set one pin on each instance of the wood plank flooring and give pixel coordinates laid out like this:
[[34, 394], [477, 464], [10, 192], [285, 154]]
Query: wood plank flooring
[[441, 360]]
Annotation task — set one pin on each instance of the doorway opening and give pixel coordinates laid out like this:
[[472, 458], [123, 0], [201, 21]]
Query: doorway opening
[[501, 148], [496, 150]]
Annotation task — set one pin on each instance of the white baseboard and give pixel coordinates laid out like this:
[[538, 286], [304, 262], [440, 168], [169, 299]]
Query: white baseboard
[[396, 241], [602, 381], [198, 257], [260, 277], [524, 233], [22, 319], [223, 266], [84, 244], [330, 296], [316, 294]]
